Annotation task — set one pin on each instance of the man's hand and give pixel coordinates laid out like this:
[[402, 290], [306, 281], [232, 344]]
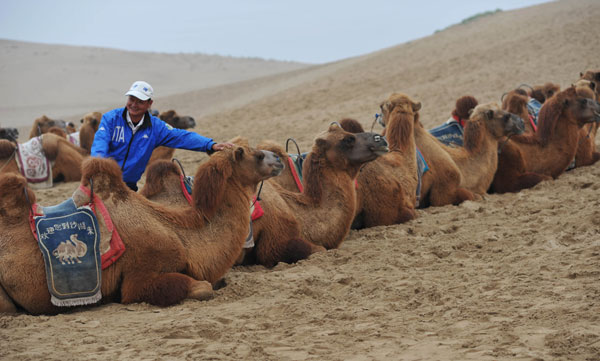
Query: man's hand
[[220, 146]]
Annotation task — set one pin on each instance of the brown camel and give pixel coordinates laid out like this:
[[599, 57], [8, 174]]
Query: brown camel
[[586, 147], [171, 253], [89, 125], [42, 124], [551, 149], [295, 225], [176, 121], [66, 158], [544, 92], [387, 187], [478, 158], [441, 184]]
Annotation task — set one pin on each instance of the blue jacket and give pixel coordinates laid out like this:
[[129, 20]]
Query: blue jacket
[[115, 139]]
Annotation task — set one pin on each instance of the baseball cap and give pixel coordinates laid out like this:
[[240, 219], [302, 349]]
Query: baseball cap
[[141, 90]]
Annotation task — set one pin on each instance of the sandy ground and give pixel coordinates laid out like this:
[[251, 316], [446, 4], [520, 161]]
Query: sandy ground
[[511, 277]]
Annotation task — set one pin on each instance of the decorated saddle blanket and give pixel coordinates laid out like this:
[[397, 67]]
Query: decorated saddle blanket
[[256, 211], [74, 138], [33, 164], [69, 239], [533, 108], [450, 133], [422, 167]]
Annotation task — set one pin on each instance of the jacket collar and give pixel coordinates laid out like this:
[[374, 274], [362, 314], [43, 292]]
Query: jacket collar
[[147, 120]]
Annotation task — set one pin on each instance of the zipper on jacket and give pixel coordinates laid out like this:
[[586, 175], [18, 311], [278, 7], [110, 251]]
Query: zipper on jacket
[[127, 154]]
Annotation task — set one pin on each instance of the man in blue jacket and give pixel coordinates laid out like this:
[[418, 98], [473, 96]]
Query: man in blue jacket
[[129, 135]]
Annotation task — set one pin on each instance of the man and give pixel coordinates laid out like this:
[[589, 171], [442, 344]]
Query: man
[[129, 135]]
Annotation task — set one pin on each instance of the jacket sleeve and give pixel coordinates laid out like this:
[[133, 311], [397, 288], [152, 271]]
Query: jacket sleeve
[[102, 138], [180, 138]]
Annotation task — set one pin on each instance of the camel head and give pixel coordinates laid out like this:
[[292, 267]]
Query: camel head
[[92, 119], [585, 88], [177, 121], [544, 92], [499, 122], [571, 107], [11, 134], [594, 77], [343, 149], [42, 124], [7, 149], [14, 204], [400, 115], [240, 166]]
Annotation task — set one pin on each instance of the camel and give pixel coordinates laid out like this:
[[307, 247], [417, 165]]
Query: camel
[[387, 187], [478, 158], [176, 121], [441, 183], [42, 124], [171, 254], [11, 134], [295, 225], [543, 92], [65, 157], [586, 148], [550, 150], [89, 125]]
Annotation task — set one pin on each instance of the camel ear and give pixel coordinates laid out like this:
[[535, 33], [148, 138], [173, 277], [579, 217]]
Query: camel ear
[[489, 114], [416, 106], [239, 154], [81, 121], [580, 74], [321, 143]]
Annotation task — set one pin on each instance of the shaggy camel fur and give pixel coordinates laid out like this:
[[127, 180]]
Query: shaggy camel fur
[[586, 151], [42, 124], [11, 134], [89, 125], [478, 158], [171, 254], [387, 187], [441, 183], [176, 121], [295, 225], [551, 149], [66, 158], [544, 92]]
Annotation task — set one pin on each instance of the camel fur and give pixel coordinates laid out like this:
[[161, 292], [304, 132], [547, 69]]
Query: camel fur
[[543, 92], [441, 184], [171, 253], [42, 124], [65, 157], [478, 158], [552, 148], [387, 186], [89, 125]]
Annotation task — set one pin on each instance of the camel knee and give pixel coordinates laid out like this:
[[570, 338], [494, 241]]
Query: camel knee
[[201, 290], [161, 290], [6, 304]]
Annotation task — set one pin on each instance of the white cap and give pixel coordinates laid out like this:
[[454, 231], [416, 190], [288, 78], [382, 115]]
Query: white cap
[[141, 90]]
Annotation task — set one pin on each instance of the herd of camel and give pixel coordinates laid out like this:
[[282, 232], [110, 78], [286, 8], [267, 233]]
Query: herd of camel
[[179, 243]]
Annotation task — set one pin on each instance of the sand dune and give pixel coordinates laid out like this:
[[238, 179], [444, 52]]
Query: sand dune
[[511, 277]]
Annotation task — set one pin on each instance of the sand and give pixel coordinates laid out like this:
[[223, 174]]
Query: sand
[[511, 277]]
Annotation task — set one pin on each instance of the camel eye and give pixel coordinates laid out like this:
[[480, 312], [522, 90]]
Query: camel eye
[[260, 156], [349, 141]]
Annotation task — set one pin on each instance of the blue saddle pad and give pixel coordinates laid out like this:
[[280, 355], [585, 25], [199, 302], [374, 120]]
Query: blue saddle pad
[[422, 167], [533, 108], [69, 239], [449, 133], [298, 160]]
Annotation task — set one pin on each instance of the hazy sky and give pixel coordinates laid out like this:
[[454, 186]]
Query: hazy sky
[[312, 31]]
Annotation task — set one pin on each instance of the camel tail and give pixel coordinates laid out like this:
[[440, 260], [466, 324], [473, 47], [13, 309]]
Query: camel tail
[[6, 303]]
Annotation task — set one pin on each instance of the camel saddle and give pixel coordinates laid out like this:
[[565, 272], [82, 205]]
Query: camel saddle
[[450, 133], [69, 239]]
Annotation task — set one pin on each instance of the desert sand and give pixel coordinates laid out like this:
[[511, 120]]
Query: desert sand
[[510, 277]]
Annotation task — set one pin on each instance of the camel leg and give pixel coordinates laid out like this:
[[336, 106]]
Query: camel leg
[[269, 254], [164, 289], [6, 304]]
